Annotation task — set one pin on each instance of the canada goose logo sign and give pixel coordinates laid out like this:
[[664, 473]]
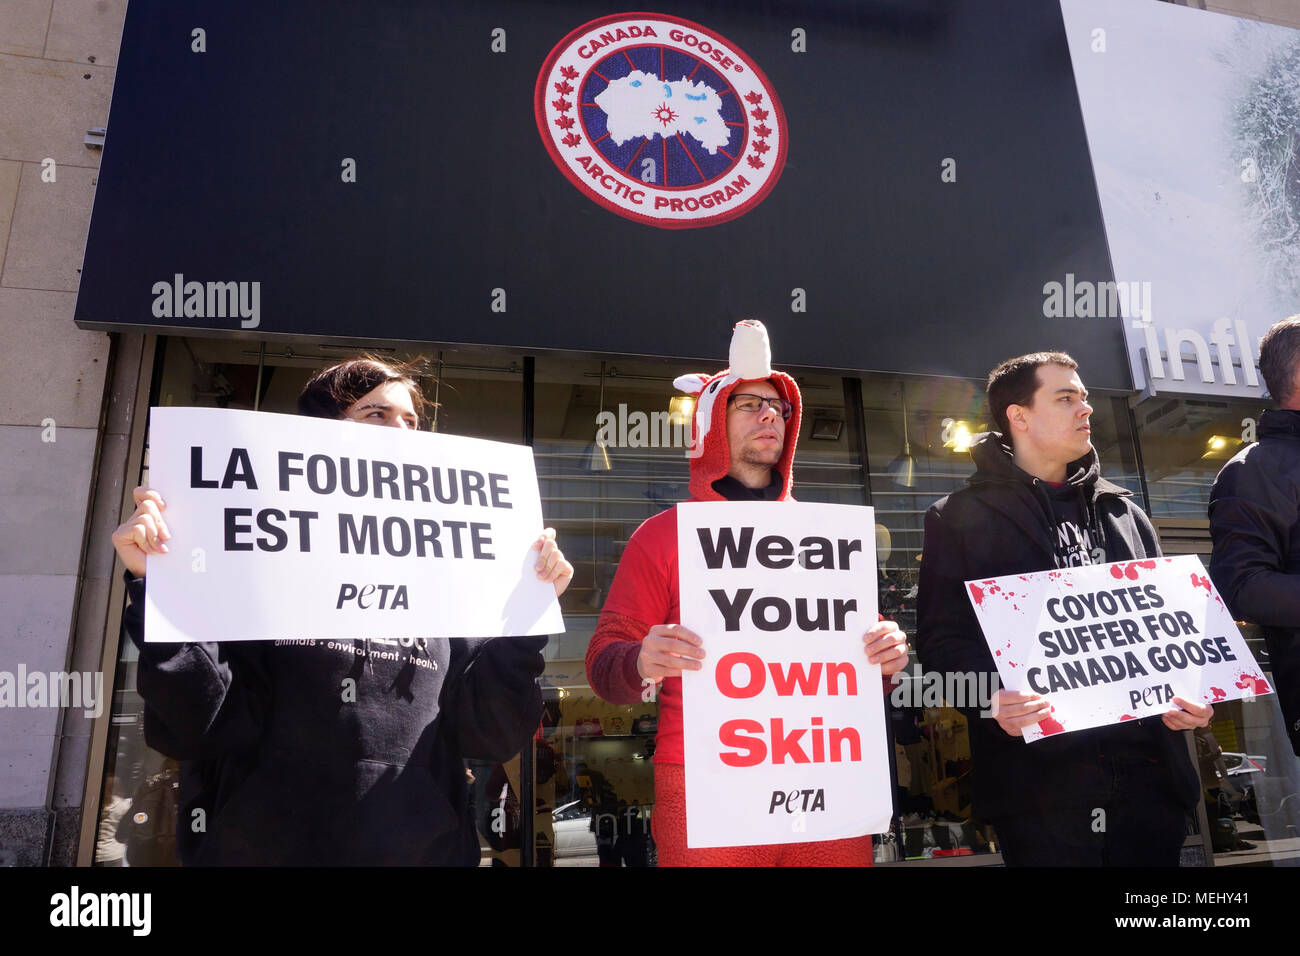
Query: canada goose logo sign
[[661, 120]]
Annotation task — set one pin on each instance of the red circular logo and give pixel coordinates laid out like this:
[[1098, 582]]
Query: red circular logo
[[661, 120]]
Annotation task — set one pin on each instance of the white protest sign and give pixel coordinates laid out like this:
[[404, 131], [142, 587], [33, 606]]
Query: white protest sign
[[1106, 643], [290, 527], [784, 724]]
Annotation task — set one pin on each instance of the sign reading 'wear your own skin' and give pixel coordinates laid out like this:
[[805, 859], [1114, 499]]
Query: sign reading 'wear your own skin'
[[1106, 643], [288, 527], [784, 724]]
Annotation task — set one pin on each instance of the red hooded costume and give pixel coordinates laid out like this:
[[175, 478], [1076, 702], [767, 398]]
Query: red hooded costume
[[644, 592]]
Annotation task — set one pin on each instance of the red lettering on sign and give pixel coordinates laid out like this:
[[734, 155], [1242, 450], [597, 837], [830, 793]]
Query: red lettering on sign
[[833, 744]]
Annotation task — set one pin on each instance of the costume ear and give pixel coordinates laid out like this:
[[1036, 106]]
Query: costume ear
[[691, 384]]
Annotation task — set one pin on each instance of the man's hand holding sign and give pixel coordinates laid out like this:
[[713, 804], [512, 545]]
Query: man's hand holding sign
[[1016, 710], [668, 649]]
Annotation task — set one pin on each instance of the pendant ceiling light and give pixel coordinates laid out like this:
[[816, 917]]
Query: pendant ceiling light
[[903, 468]]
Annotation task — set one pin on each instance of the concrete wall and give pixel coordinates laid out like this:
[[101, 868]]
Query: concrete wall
[[57, 62], [1283, 12]]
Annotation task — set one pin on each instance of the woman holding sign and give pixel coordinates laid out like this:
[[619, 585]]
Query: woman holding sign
[[314, 752]]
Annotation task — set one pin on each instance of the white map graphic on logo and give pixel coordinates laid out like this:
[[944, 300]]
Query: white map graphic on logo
[[641, 104]]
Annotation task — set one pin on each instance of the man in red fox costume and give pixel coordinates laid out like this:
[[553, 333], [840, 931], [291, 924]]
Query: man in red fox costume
[[746, 426]]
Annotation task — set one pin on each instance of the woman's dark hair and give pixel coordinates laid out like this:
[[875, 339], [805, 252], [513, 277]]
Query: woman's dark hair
[[330, 393]]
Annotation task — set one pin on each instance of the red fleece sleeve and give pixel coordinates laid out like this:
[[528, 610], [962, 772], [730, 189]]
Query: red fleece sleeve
[[611, 658], [643, 594]]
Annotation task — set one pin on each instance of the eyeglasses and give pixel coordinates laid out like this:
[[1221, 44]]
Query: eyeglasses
[[755, 403]]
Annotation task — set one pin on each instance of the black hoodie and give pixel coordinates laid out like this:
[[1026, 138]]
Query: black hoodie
[[1003, 523], [318, 753]]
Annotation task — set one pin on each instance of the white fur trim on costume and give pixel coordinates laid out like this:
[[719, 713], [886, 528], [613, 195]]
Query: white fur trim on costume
[[704, 404], [692, 383], [751, 353]]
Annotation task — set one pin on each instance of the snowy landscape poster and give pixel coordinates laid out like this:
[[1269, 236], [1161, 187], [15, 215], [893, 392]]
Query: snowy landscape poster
[[1193, 124]]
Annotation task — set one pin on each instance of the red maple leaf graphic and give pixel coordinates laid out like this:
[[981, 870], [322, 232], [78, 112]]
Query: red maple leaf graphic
[[761, 147], [760, 131], [759, 115], [562, 104], [755, 162], [563, 88], [754, 97], [573, 139], [568, 72], [564, 122]]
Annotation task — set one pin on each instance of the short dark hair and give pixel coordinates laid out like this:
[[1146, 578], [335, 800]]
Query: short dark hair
[[1015, 381], [1279, 351], [330, 393]]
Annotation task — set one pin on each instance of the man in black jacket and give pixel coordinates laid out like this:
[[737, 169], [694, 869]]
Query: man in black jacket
[[1114, 795], [1255, 516]]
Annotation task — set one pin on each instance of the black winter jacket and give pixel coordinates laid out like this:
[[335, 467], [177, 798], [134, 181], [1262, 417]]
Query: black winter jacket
[[329, 753], [1255, 523], [1002, 524]]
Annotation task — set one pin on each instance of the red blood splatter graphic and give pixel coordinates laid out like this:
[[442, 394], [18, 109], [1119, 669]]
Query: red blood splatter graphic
[[1049, 726], [1219, 694], [997, 653], [1123, 717], [1253, 683], [1024, 577], [1130, 570], [1201, 581], [977, 594]]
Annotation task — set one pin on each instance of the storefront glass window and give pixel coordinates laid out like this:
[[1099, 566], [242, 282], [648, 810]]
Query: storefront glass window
[[1185, 441], [610, 440]]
